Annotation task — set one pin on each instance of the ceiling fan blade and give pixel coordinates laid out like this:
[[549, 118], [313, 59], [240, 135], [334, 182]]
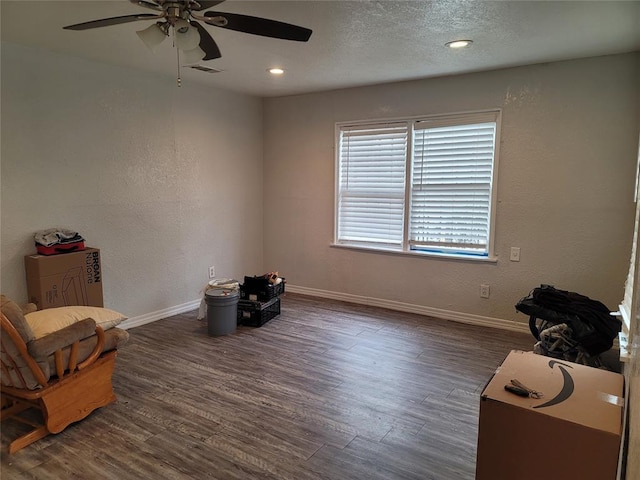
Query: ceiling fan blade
[[207, 44], [106, 22], [204, 4], [258, 26], [147, 4]]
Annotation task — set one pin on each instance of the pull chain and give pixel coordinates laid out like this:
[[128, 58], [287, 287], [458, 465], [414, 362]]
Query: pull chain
[[177, 56]]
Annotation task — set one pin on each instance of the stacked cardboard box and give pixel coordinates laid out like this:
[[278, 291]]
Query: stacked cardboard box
[[573, 431], [65, 279]]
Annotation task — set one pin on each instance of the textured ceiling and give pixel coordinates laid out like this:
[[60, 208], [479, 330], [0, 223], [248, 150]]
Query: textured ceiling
[[354, 43]]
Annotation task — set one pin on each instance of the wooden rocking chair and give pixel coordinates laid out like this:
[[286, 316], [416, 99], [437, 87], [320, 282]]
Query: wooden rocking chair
[[65, 375]]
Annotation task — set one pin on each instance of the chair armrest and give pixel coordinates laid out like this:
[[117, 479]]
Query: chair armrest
[[28, 308], [42, 347]]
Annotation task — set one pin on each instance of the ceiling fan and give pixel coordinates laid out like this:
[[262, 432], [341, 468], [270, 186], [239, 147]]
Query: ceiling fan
[[182, 16]]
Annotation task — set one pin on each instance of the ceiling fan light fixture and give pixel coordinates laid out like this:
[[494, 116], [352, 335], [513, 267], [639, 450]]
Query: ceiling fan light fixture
[[152, 36], [181, 25], [458, 43], [187, 37], [193, 56]]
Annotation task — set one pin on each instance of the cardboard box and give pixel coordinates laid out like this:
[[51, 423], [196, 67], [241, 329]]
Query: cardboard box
[[64, 279], [574, 431]]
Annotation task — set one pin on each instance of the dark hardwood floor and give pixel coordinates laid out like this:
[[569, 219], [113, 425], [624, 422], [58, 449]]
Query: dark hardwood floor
[[326, 390]]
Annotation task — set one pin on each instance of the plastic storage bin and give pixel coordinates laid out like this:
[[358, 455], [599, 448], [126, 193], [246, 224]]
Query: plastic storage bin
[[256, 314], [259, 289]]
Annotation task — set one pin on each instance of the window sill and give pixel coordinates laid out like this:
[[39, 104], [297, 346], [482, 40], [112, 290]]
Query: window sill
[[435, 255]]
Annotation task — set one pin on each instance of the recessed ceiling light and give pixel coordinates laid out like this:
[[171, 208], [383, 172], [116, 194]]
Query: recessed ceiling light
[[276, 71], [458, 43]]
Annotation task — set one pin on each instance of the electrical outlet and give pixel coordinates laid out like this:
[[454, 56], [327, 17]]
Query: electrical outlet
[[212, 272], [515, 254], [484, 291]]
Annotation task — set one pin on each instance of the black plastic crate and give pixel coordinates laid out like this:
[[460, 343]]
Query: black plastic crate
[[256, 314], [259, 289]]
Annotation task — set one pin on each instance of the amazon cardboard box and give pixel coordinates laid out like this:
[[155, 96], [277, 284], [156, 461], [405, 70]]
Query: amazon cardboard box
[[573, 431], [64, 279]]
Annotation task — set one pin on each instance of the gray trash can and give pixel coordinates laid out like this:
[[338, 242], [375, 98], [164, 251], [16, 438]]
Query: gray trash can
[[222, 311]]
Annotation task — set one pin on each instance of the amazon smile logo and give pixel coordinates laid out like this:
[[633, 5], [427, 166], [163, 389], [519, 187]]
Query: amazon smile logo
[[567, 386]]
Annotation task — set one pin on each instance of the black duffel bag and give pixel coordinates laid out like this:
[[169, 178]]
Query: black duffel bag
[[590, 321]]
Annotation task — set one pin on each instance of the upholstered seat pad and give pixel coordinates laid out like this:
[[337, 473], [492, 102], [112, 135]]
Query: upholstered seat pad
[[16, 373], [44, 322]]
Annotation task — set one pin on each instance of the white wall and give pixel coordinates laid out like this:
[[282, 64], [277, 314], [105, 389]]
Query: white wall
[[631, 450], [168, 181], [164, 180], [567, 163]]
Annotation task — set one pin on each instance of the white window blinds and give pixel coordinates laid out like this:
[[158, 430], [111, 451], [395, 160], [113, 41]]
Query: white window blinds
[[451, 186], [371, 185], [423, 184]]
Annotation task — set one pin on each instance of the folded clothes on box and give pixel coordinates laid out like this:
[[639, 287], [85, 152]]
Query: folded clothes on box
[[55, 236], [58, 240]]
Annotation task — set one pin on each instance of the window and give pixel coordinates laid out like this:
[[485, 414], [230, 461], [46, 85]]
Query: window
[[421, 185]]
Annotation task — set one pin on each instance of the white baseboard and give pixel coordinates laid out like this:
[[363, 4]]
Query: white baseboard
[[346, 297], [159, 315], [411, 308]]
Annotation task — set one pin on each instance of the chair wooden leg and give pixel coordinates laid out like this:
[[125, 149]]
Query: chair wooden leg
[[62, 403], [11, 408], [28, 438]]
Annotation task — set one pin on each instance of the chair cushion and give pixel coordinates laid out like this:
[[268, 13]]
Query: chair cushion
[[44, 322], [12, 376], [14, 314]]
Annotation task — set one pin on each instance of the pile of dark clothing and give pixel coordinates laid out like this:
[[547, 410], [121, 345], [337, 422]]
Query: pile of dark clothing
[[569, 325]]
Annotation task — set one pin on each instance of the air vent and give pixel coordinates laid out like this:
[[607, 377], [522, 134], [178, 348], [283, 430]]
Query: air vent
[[206, 69]]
